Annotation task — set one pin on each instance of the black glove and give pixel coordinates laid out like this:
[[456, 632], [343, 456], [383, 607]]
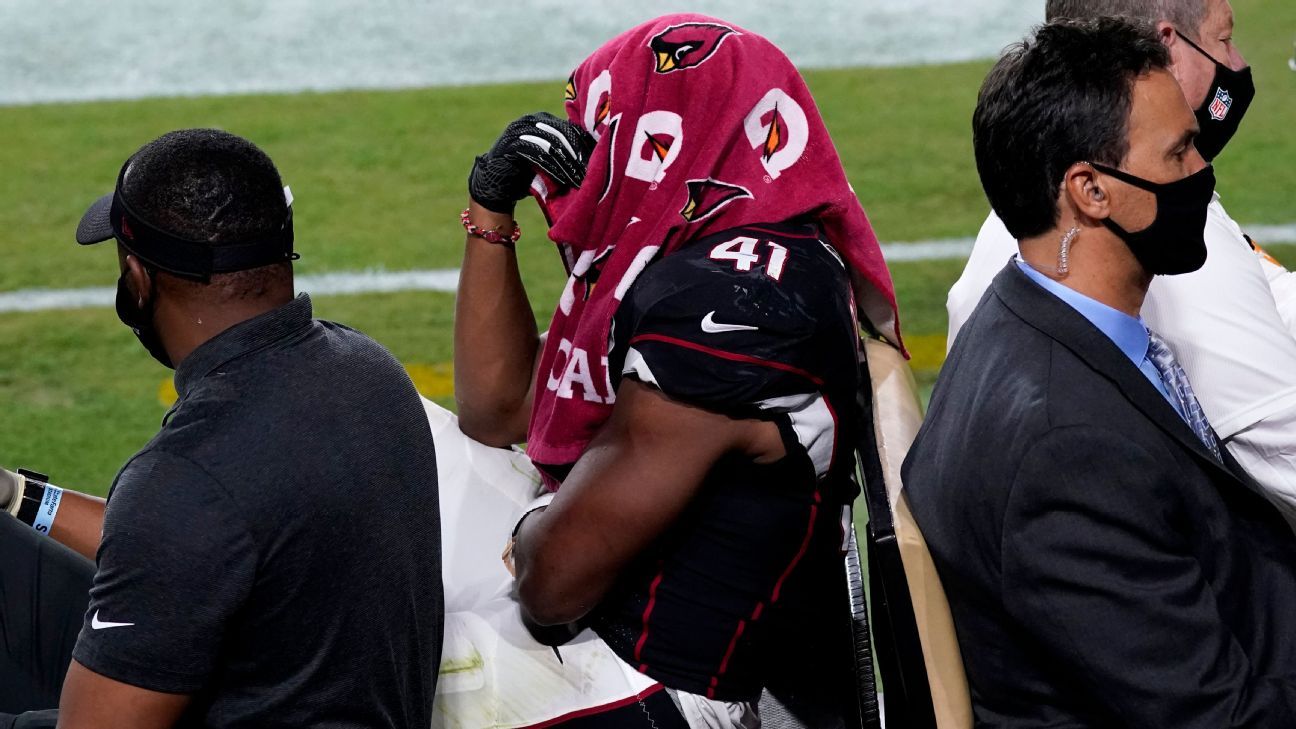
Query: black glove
[[539, 141]]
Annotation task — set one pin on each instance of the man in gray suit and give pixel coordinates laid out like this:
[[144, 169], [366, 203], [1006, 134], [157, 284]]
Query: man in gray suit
[[1107, 562]]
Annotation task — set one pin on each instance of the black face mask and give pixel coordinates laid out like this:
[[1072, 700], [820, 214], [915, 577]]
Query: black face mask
[[1227, 100], [141, 321], [1175, 241]]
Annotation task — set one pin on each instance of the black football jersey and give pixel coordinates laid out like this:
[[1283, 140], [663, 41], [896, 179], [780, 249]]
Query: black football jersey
[[756, 322]]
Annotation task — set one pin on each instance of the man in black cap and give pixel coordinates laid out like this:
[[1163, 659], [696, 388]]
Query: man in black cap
[[272, 557]]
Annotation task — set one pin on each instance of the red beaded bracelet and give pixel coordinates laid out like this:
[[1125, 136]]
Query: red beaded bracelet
[[490, 236]]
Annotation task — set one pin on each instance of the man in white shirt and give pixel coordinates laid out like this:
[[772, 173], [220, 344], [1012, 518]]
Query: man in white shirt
[[1225, 322]]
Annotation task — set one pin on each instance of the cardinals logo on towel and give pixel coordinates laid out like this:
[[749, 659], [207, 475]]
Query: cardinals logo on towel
[[659, 136], [706, 197], [777, 126], [687, 45], [598, 102], [608, 170]]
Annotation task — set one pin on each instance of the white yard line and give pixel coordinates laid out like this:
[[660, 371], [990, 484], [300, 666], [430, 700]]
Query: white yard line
[[1269, 234], [327, 284], [927, 250], [948, 248], [446, 279]]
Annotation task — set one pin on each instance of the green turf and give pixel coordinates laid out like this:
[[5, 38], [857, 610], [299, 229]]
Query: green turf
[[379, 180]]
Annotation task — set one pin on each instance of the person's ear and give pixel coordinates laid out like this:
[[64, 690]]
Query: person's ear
[[1165, 32], [1085, 190], [141, 280]]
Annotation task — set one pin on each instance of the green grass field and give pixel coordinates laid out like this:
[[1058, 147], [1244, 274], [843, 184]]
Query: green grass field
[[379, 180]]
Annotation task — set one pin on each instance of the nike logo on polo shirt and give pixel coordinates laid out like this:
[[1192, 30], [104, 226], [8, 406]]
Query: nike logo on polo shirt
[[98, 624], [710, 326]]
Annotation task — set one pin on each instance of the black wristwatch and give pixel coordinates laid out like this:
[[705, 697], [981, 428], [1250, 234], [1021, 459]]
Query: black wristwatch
[[33, 494]]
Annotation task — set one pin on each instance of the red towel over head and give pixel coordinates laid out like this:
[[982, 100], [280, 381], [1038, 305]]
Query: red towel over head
[[702, 126]]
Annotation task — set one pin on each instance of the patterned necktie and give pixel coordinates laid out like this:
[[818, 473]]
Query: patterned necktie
[[1176, 381]]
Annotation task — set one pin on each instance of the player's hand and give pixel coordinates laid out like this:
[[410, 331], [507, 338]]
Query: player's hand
[[536, 142]]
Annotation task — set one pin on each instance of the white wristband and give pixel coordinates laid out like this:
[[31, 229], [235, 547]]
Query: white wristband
[[48, 509]]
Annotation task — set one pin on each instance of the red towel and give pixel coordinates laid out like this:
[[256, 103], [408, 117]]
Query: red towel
[[701, 126]]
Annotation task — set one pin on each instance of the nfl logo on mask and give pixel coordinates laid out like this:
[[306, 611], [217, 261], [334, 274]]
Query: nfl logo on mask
[[1219, 108]]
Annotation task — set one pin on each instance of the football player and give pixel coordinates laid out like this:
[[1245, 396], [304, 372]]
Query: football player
[[692, 405]]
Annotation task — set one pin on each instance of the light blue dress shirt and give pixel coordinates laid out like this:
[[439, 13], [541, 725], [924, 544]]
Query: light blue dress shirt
[[1128, 333]]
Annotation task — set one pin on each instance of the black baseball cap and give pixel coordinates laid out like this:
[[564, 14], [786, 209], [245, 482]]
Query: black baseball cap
[[111, 217]]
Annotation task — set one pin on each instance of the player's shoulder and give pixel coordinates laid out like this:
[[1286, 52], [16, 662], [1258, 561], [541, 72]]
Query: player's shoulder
[[762, 294], [768, 272], [771, 253]]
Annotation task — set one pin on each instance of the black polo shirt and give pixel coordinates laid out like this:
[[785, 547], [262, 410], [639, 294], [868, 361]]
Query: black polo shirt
[[275, 550]]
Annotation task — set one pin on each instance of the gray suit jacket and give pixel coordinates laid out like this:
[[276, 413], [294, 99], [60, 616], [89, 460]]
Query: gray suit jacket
[[1104, 570]]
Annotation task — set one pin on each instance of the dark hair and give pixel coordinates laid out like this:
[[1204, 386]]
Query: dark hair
[[1060, 97], [210, 185], [206, 184], [1185, 15]]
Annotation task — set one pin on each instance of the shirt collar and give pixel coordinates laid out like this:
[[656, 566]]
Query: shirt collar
[[1128, 333], [241, 339]]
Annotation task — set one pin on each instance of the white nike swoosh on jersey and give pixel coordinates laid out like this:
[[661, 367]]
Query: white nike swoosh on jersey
[[710, 326], [98, 624]]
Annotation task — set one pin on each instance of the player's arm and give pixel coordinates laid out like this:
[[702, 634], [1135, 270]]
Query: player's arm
[[92, 701], [77, 522], [496, 342], [635, 478]]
